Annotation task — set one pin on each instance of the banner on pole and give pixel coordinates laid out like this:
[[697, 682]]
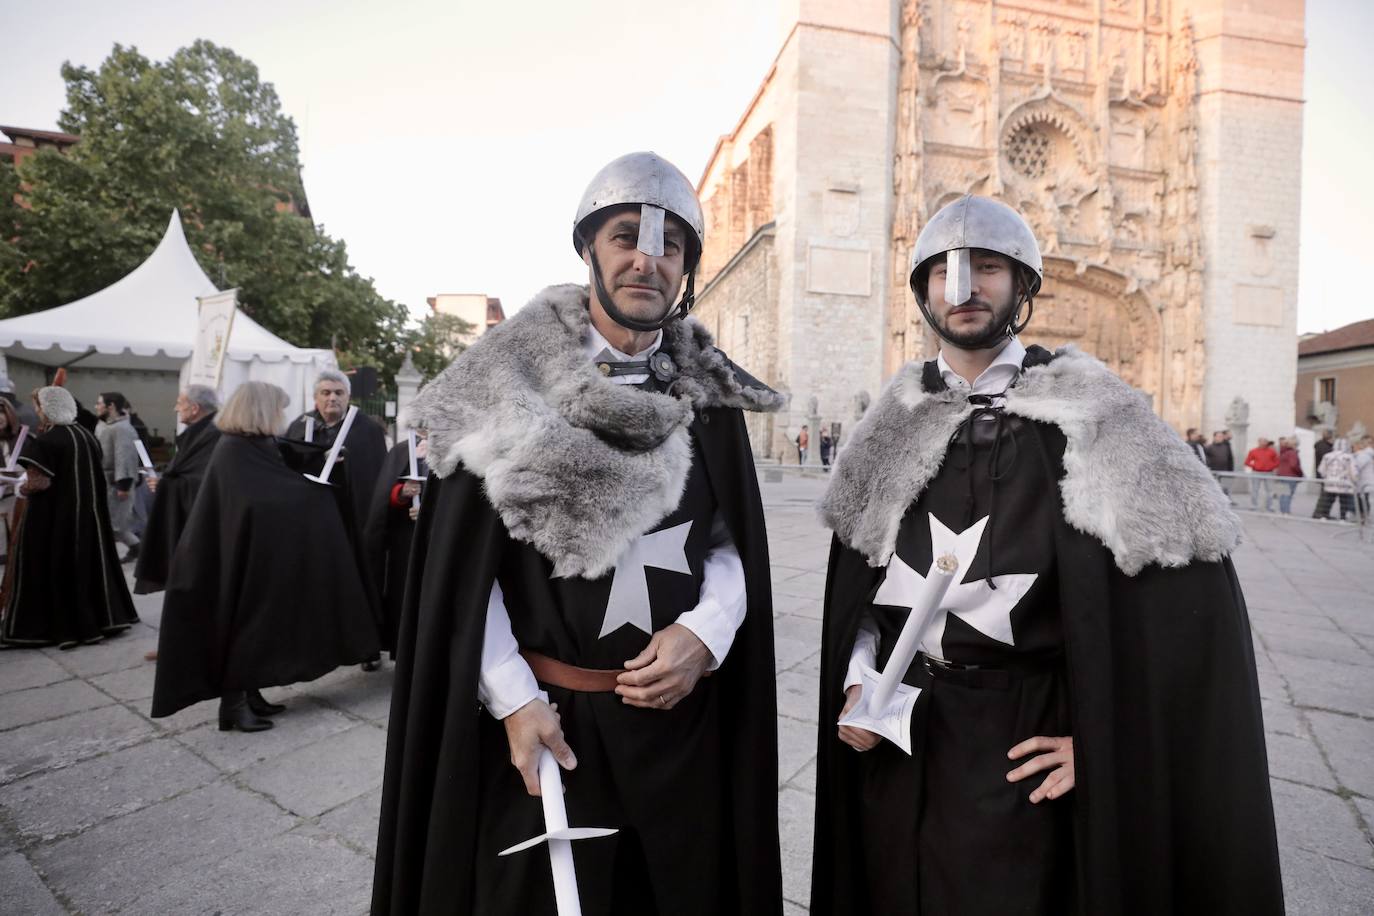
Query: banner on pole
[[212, 337]]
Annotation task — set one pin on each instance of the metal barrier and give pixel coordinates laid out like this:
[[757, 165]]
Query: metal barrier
[[1303, 498]]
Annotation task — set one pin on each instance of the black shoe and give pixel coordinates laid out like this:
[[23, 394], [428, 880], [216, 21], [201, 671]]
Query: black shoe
[[372, 664], [131, 555], [234, 713], [258, 703]]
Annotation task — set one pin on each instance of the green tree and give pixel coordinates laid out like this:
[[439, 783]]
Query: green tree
[[438, 340], [202, 133]]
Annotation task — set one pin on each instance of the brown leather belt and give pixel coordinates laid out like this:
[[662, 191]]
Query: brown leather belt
[[570, 677]]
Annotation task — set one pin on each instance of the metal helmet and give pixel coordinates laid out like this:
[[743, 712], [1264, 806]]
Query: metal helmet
[[968, 223], [657, 186]]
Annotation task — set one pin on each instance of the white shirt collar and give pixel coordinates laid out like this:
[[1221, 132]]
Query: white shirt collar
[[995, 379], [595, 343]]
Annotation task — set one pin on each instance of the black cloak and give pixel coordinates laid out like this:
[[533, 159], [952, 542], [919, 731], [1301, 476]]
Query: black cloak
[[365, 451], [439, 738], [68, 587], [386, 542], [425, 859], [176, 493], [264, 587], [1172, 810]]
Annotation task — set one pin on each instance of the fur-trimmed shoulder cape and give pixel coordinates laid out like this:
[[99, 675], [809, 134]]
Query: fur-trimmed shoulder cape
[[576, 465], [1129, 481]]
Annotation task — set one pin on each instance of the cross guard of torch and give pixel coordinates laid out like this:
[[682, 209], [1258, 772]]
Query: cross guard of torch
[[885, 703]]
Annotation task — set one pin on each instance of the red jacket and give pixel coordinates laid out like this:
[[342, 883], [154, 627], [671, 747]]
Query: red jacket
[[1262, 459]]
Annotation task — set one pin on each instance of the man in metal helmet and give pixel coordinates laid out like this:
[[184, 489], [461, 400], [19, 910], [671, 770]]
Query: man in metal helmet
[[590, 546], [1048, 755]]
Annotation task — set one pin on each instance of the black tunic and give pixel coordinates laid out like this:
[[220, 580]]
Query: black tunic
[[264, 587], [68, 588], [695, 788], [176, 493], [386, 542], [365, 450], [979, 845], [1171, 809]]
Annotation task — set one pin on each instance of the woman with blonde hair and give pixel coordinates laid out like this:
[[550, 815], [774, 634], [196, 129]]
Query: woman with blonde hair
[[264, 588]]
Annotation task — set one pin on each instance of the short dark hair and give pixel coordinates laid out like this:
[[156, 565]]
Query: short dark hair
[[116, 399]]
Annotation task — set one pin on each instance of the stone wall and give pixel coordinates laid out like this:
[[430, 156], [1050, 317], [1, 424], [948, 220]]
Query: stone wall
[[738, 306]]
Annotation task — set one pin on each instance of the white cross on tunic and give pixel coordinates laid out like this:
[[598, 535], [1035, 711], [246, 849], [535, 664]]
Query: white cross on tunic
[[987, 610], [629, 598]]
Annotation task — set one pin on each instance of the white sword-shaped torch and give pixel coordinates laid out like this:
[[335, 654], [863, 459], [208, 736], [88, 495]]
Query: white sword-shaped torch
[[885, 703], [337, 447], [558, 835], [144, 460]]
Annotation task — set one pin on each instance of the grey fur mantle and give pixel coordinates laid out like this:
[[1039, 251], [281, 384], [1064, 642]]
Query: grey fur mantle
[[577, 466], [1129, 480]]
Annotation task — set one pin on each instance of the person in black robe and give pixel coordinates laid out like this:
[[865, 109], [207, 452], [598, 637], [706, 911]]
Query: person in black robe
[[264, 588], [1088, 736], [390, 527], [174, 490], [365, 446], [590, 544], [67, 586]]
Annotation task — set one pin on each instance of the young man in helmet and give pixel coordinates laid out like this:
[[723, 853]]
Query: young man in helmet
[[590, 548], [1087, 737]]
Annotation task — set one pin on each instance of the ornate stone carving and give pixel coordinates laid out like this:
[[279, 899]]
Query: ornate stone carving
[[1089, 129]]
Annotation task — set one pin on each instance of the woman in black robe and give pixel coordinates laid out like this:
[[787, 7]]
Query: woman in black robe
[[264, 588], [67, 586]]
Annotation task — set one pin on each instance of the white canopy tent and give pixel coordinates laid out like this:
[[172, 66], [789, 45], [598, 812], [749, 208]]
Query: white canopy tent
[[147, 321]]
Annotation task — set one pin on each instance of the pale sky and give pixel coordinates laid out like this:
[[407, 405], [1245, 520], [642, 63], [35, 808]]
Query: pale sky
[[448, 142]]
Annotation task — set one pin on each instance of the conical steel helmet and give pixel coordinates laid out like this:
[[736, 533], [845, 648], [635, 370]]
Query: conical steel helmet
[[974, 222], [658, 186]]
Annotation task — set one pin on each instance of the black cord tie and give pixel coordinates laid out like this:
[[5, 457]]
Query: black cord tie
[[985, 405]]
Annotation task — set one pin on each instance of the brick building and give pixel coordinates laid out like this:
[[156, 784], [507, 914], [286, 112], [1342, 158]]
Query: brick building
[[1336, 379], [1153, 145]]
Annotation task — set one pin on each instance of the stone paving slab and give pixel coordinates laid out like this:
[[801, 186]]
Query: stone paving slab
[[60, 802], [59, 742], [24, 892], [324, 774], [103, 809]]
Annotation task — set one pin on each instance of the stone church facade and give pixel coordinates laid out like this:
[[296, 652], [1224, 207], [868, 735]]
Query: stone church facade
[[1153, 145]]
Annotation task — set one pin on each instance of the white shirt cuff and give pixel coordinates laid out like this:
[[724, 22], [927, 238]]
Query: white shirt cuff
[[865, 651], [506, 682], [723, 601]]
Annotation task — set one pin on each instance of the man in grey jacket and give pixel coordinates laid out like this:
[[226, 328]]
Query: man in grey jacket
[[121, 465]]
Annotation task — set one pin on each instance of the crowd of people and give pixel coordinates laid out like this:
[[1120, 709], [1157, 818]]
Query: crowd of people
[[222, 515], [1344, 471]]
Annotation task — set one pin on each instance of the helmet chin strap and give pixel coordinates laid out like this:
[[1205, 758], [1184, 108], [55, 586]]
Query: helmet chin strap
[[603, 296]]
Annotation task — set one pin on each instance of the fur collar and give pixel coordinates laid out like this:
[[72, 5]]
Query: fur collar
[[1129, 480], [577, 466]]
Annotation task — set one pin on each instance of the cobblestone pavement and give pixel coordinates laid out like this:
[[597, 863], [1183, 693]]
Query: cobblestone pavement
[[104, 810]]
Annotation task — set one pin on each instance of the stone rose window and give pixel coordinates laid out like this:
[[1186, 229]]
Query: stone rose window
[[1028, 150]]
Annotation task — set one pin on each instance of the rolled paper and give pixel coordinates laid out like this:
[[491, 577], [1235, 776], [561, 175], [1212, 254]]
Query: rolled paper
[[937, 582], [309, 429], [337, 447]]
